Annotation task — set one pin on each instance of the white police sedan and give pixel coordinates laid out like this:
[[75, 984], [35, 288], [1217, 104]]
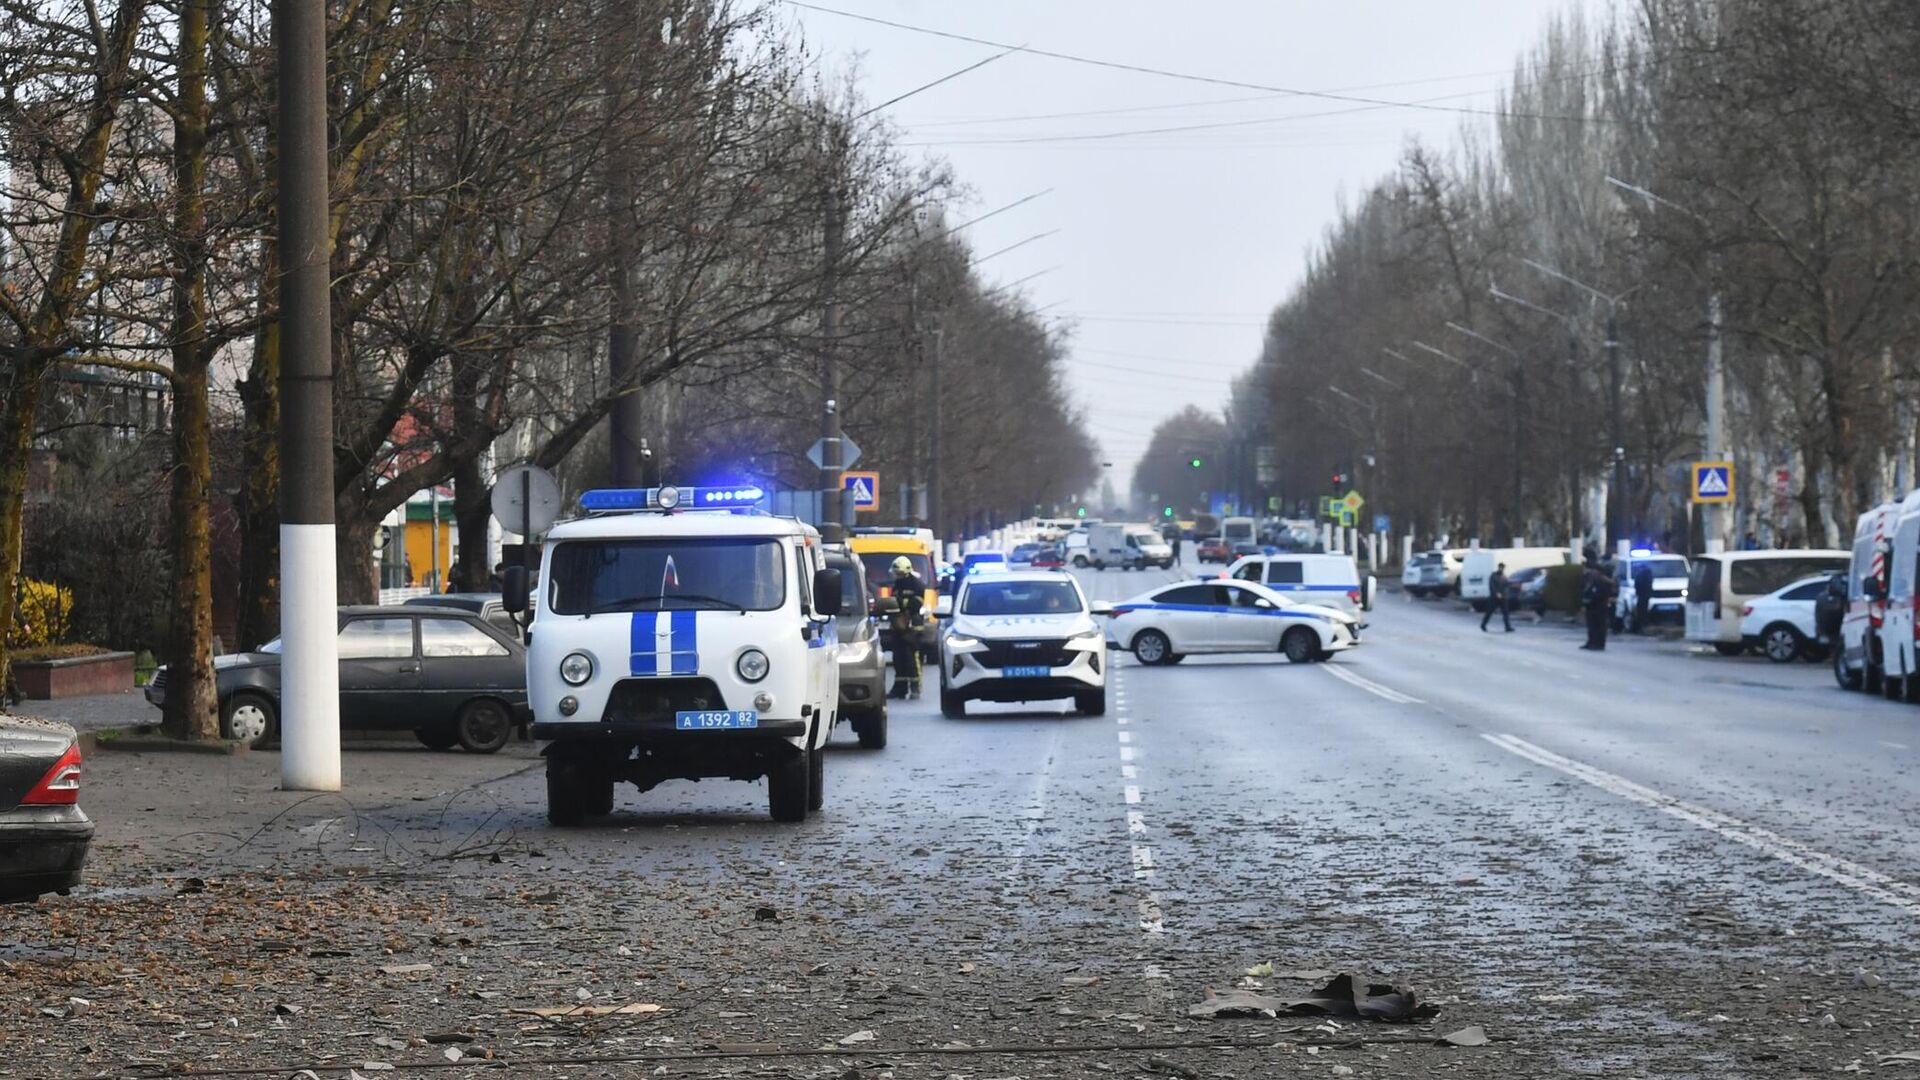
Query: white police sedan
[[1222, 615]]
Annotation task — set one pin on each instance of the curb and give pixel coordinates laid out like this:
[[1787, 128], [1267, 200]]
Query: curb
[[147, 740]]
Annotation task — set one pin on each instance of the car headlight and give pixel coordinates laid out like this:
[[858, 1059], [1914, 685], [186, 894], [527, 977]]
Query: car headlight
[[1094, 634], [576, 668], [752, 665], [856, 652], [961, 641]]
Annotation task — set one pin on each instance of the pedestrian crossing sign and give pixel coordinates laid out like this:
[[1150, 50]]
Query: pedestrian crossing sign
[[1713, 481], [865, 487]]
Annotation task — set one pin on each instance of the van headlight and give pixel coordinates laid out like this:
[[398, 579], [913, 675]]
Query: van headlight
[[856, 652], [576, 668], [752, 665]]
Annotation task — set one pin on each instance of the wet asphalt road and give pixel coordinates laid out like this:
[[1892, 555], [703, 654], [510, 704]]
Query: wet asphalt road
[[1647, 862]]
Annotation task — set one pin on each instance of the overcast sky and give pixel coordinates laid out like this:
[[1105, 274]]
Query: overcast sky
[[1172, 246]]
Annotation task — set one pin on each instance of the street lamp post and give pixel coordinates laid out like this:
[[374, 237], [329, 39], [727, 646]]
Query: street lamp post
[[1616, 498], [1716, 431]]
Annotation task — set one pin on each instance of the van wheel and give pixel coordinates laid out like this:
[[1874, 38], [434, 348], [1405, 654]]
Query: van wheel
[[787, 794], [1080, 561], [1893, 688], [569, 798], [1151, 647], [871, 729], [1848, 678], [816, 778], [1781, 643], [1301, 645], [1729, 648]]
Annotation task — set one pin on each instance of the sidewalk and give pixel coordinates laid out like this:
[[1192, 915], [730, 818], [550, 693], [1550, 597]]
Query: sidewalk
[[93, 713]]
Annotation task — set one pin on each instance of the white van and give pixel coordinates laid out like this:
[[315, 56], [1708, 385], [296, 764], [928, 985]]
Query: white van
[[1238, 530], [1328, 580], [1721, 584], [1478, 566], [1899, 664], [1857, 660]]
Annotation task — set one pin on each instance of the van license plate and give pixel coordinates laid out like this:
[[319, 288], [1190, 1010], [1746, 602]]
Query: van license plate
[[716, 720], [1026, 671]]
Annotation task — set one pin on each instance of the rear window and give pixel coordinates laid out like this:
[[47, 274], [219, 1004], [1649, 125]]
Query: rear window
[[1201, 595], [1285, 573], [1021, 598], [1758, 577], [1703, 582]]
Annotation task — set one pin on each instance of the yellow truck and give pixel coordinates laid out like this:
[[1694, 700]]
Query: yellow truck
[[877, 547]]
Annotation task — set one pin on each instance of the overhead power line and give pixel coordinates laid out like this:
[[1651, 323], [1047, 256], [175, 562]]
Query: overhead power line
[[949, 77], [1211, 80], [1016, 244]]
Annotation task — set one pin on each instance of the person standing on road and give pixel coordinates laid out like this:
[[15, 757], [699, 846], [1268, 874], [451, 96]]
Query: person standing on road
[[1642, 594], [1597, 589], [1497, 599], [903, 627]]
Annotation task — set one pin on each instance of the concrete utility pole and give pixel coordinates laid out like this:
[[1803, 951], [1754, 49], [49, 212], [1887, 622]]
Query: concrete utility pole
[[310, 662], [936, 410], [834, 507]]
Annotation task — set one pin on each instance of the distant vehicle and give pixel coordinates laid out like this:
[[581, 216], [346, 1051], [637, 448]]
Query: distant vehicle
[[1023, 554], [1668, 601], [1170, 623], [877, 548], [1410, 573], [1049, 557], [1245, 548], [1479, 564], [1781, 625], [1211, 549], [863, 663], [1239, 530], [1900, 625], [1126, 547], [44, 835], [1328, 580], [1023, 636], [448, 675], [1721, 584], [1527, 590], [1441, 576], [1858, 653], [485, 605]]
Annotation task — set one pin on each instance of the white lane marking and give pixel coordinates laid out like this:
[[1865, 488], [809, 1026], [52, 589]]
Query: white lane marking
[[1862, 879], [1126, 736], [1129, 772], [1034, 813], [1370, 686], [1132, 794], [1136, 823], [1151, 920], [1894, 745], [1126, 753]]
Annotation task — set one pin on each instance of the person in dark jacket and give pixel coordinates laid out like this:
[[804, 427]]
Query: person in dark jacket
[[1642, 595], [1597, 590], [903, 627], [1499, 597]]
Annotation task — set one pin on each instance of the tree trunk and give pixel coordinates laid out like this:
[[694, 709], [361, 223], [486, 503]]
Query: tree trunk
[[354, 561], [260, 501], [19, 414], [472, 509], [192, 710]]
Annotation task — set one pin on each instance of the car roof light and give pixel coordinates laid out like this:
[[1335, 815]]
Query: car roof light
[[669, 497]]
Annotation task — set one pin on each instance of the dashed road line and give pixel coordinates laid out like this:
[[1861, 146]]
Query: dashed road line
[[1386, 692], [1861, 879]]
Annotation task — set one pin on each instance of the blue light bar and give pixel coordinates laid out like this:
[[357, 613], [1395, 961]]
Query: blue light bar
[[1640, 553], [618, 500]]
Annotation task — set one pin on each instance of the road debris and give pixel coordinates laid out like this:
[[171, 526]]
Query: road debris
[[1342, 996]]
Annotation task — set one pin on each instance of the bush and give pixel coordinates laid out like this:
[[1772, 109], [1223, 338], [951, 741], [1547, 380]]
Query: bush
[[1563, 588], [58, 652], [42, 615]]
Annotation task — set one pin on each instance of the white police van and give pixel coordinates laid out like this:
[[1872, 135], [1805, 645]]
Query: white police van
[[671, 644]]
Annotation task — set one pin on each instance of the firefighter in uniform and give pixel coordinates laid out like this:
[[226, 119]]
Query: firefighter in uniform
[[903, 626]]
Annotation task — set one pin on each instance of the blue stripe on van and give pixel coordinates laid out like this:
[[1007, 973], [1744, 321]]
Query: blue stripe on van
[[683, 643], [642, 658]]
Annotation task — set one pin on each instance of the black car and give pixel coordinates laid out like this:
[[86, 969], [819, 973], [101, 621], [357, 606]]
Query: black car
[[449, 675], [43, 833], [487, 605]]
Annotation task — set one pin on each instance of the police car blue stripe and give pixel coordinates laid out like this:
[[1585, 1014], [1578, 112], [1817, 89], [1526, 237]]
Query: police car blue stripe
[[641, 657], [1222, 609], [683, 643]]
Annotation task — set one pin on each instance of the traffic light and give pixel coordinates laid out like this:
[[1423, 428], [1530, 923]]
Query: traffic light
[[1339, 479], [1166, 511], [1194, 463], [1082, 512]]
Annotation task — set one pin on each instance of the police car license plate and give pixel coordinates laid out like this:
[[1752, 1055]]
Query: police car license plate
[[716, 720], [1026, 671]]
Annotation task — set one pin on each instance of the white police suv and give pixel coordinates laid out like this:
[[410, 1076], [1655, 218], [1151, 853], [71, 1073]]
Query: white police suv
[[677, 637], [1022, 636], [1222, 615]]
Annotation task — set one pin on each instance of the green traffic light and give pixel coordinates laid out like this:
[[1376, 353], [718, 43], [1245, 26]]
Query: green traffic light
[[1082, 512], [1166, 511], [1194, 462]]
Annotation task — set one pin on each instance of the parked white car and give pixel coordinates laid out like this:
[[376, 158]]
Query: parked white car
[[1168, 624], [1439, 573], [1780, 625]]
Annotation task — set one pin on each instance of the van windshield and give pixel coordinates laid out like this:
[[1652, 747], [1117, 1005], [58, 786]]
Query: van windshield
[[880, 566], [590, 577], [1662, 568]]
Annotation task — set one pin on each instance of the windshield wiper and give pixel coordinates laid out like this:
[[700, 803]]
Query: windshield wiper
[[632, 603]]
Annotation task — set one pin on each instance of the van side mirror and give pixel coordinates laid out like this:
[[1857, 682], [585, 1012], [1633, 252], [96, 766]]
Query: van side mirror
[[513, 590], [1100, 607], [826, 591]]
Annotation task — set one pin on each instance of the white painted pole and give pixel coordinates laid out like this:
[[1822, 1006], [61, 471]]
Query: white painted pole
[[310, 660], [1406, 549]]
